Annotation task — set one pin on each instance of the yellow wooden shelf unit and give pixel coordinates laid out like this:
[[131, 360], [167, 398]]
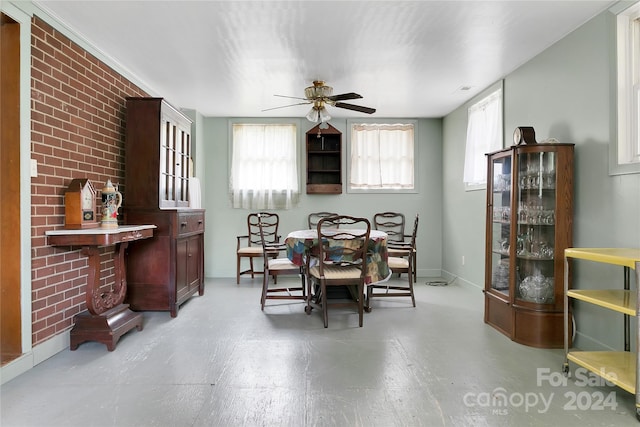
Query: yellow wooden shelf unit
[[619, 300], [617, 367]]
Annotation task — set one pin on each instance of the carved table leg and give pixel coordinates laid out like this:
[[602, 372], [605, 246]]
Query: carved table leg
[[107, 318]]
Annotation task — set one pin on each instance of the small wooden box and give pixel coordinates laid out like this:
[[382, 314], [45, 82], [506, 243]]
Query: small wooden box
[[80, 205]]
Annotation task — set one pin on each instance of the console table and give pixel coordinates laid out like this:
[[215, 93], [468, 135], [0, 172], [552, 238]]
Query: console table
[[106, 318]]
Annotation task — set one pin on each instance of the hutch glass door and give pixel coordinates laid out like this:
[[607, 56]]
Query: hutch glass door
[[500, 226], [536, 205]]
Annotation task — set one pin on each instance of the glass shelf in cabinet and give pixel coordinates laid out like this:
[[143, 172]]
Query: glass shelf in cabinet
[[530, 257]]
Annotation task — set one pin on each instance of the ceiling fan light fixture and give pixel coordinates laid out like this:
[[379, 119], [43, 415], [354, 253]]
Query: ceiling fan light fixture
[[318, 114], [313, 115], [324, 115]]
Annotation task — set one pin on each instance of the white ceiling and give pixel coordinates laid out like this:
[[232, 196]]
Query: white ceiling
[[407, 59]]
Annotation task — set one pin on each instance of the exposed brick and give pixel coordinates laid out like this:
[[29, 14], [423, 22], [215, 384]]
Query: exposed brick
[[77, 130], [43, 333]]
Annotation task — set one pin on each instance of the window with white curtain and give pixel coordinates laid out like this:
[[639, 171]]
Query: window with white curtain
[[627, 158], [484, 135], [382, 156], [264, 166]]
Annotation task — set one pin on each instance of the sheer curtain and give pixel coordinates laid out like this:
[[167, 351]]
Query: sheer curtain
[[484, 135], [264, 168], [382, 156]]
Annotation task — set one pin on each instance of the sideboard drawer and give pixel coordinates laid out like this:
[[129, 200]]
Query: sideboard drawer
[[190, 223]]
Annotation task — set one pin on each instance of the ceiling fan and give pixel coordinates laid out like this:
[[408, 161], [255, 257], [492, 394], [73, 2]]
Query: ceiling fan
[[320, 95]]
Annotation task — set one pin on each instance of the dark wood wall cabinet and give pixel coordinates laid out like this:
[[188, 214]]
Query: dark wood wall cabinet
[[529, 225], [324, 160], [169, 268]]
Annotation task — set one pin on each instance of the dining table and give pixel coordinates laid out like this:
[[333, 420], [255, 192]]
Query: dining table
[[301, 244]]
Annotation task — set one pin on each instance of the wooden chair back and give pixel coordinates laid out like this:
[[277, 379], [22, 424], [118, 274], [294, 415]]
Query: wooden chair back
[[402, 259], [344, 244], [274, 266], [392, 223], [315, 217], [270, 223], [249, 245]]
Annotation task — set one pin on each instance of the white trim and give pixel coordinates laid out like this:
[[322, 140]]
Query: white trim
[[624, 153], [24, 20], [59, 25], [39, 354]]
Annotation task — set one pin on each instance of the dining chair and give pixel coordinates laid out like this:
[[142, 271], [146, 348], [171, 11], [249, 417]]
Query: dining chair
[[250, 245], [274, 266], [341, 261], [393, 223], [403, 263], [314, 217]]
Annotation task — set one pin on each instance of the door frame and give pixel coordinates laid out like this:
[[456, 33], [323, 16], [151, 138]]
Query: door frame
[[27, 360]]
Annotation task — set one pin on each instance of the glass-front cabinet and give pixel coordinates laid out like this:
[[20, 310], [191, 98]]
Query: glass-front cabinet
[[529, 224]]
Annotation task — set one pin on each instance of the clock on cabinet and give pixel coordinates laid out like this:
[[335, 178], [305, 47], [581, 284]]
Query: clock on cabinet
[[80, 205], [524, 135]]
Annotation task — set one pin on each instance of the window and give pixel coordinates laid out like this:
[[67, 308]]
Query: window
[[382, 156], [264, 167], [628, 91], [484, 135]]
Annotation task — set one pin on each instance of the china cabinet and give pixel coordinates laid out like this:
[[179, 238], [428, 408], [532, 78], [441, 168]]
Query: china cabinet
[[169, 268], [528, 226], [324, 160]]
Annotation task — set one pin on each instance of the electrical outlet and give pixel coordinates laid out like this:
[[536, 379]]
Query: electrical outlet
[[34, 168], [462, 259]]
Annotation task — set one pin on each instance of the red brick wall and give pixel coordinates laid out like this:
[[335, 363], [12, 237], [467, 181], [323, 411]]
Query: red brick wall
[[77, 131]]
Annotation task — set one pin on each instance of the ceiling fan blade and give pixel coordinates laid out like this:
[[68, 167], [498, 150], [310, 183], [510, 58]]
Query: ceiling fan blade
[[344, 96], [355, 107], [285, 106], [291, 97]]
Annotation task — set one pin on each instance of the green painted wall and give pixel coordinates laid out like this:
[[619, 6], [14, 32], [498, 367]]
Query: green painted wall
[[224, 223], [566, 92]]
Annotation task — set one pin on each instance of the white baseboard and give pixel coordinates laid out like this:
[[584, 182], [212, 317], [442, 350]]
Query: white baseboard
[[582, 341], [38, 354], [460, 280]]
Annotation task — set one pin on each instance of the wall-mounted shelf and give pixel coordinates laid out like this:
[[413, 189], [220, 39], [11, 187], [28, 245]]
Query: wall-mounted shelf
[[324, 160]]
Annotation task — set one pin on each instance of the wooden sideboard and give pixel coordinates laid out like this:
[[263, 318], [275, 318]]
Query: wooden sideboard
[[168, 269]]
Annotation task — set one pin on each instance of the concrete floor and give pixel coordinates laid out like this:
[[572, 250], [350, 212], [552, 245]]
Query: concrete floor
[[223, 362]]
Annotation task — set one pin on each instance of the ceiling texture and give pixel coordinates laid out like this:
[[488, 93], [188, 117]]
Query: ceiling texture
[[406, 58]]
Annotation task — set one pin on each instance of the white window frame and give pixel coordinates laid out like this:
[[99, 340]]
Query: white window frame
[[475, 156], [625, 147], [297, 189], [350, 124]]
